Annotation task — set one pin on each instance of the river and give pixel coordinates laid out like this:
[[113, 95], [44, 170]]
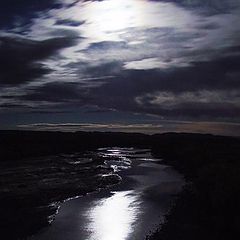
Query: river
[[128, 211]]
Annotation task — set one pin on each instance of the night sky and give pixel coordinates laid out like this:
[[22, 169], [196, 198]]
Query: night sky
[[120, 65]]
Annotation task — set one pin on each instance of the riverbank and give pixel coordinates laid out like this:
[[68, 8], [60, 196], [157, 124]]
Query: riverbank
[[209, 205]]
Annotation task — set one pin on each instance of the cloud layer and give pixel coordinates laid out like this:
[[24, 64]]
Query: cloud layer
[[172, 60]]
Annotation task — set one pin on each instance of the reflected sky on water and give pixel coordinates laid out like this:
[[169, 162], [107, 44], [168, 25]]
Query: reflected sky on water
[[113, 217], [127, 211]]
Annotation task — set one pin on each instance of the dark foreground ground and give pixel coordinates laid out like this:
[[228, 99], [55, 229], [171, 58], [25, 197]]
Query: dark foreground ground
[[209, 205], [38, 169]]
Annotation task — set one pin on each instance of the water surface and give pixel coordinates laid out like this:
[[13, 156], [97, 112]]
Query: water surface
[[127, 211]]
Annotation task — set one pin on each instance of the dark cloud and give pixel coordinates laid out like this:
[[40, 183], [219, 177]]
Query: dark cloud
[[205, 89], [216, 77], [107, 45], [105, 69], [20, 58], [10, 105], [200, 75], [69, 22], [100, 110], [46, 112], [57, 92], [14, 12], [195, 111], [180, 61], [211, 6]]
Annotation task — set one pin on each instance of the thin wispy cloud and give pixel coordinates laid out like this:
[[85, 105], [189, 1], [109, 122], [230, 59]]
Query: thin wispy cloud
[[147, 128]]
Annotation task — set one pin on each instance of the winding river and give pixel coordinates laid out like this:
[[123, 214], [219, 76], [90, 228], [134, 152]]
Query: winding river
[[128, 211]]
